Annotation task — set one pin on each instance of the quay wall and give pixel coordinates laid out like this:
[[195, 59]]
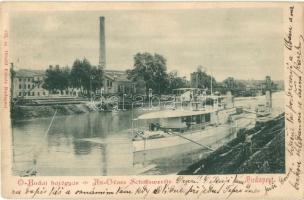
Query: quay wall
[[42, 111]]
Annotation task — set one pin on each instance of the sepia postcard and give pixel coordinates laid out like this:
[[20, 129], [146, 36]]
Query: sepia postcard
[[152, 100]]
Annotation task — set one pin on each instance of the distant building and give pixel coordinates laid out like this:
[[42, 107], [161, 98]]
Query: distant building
[[28, 83], [116, 81]]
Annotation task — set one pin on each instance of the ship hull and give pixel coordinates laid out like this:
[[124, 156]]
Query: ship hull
[[205, 138]]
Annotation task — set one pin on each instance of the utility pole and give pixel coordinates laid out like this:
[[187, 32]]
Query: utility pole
[[150, 96], [196, 79], [91, 88], [211, 85], [91, 78]]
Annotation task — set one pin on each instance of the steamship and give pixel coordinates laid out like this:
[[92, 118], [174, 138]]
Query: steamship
[[203, 125]]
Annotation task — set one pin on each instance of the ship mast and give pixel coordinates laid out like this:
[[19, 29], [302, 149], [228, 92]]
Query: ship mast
[[211, 83]]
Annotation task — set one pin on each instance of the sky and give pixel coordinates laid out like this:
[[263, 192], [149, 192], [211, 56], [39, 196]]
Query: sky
[[245, 43]]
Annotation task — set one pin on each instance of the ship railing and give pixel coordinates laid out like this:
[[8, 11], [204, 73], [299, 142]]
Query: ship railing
[[196, 127], [192, 128]]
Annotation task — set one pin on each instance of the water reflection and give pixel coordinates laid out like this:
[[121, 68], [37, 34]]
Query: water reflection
[[82, 148], [64, 152]]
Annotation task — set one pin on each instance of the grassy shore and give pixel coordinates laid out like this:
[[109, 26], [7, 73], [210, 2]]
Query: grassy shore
[[259, 150]]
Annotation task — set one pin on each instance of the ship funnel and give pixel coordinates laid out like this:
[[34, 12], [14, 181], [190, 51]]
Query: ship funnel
[[268, 94], [268, 99], [229, 103]]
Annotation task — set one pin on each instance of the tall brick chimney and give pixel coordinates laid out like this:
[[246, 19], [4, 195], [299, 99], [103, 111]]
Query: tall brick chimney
[[102, 43]]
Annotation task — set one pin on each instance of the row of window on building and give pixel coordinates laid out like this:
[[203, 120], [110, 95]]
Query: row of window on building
[[109, 83], [29, 86], [28, 79], [74, 93], [32, 93]]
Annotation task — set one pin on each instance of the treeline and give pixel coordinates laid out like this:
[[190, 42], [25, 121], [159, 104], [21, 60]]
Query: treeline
[[82, 76], [149, 72]]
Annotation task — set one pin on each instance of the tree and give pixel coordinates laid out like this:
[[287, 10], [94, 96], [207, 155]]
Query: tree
[[174, 81], [76, 74], [96, 78], [56, 79], [201, 79], [230, 83], [152, 69], [86, 77], [237, 87], [140, 86]]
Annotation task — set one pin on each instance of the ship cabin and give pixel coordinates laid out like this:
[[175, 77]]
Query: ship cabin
[[198, 98], [188, 94], [179, 121]]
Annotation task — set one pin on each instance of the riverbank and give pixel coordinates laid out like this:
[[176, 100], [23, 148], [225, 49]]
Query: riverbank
[[258, 150], [32, 112]]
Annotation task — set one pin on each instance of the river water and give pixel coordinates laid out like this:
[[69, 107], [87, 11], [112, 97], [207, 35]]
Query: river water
[[100, 144]]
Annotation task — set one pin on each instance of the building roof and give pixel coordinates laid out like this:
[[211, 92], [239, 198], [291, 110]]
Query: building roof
[[29, 73], [117, 75]]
